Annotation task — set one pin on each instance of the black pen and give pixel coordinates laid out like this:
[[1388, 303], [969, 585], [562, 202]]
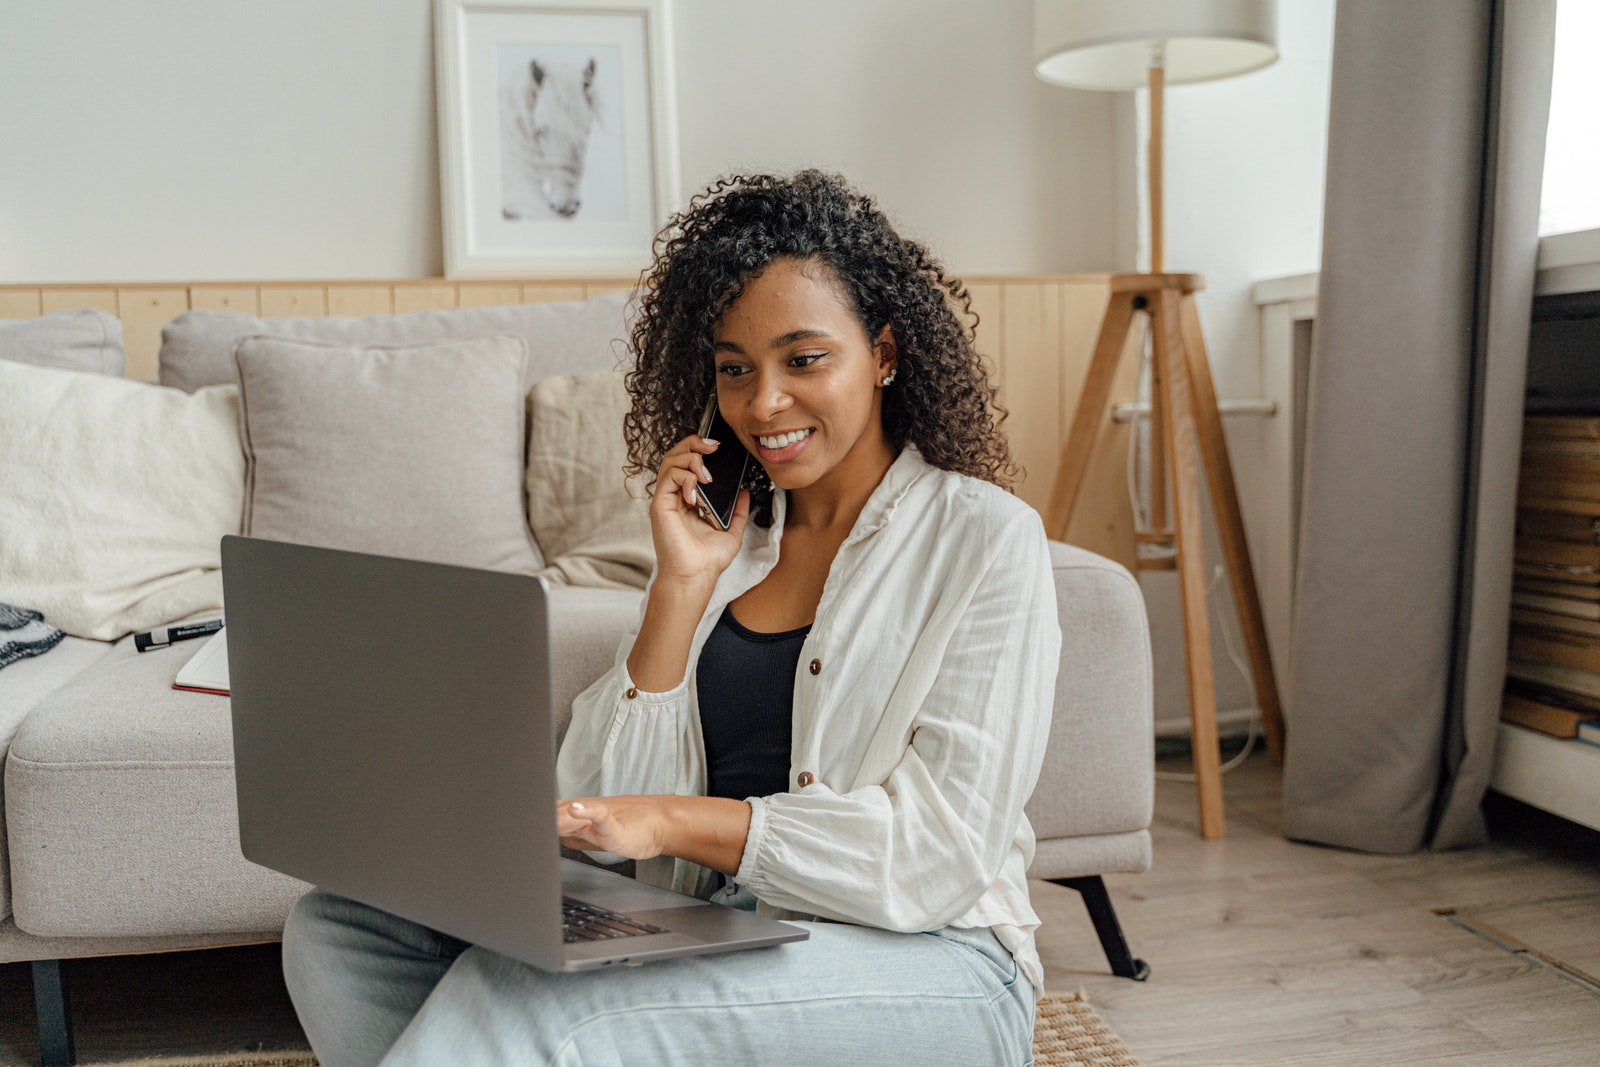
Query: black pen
[[162, 636]]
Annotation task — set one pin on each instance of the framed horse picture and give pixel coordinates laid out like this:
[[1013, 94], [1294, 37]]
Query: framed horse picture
[[558, 148]]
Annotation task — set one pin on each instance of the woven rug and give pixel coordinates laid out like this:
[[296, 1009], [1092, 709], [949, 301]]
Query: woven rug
[[1067, 1032]]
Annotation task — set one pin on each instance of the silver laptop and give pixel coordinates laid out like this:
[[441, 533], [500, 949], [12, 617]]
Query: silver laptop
[[394, 742]]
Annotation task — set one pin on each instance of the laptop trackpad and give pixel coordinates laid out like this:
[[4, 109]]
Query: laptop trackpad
[[706, 923], [617, 892]]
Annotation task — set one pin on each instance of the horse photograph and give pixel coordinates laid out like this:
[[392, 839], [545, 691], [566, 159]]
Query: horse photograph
[[561, 149], [558, 139]]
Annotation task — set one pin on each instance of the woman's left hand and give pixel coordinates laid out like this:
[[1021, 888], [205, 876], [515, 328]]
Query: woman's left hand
[[633, 827]]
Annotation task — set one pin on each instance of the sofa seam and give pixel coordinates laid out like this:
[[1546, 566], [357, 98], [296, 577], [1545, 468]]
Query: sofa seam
[[121, 764]]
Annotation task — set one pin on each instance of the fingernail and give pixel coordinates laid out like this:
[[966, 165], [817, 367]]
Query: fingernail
[[711, 441], [705, 476], [578, 807]]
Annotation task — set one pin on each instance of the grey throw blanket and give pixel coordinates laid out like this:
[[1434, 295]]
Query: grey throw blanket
[[24, 633]]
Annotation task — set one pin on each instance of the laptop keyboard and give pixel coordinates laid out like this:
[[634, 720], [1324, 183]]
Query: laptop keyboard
[[585, 922]]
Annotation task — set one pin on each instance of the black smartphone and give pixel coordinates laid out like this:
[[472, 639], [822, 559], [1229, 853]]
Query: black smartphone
[[726, 465]]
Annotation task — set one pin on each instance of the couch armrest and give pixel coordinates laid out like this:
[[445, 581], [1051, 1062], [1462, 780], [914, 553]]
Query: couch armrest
[[1099, 768], [22, 686], [586, 627]]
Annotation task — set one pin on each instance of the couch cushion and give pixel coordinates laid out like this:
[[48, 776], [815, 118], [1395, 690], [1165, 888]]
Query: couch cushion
[[592, 525], [120, 793], [413, 452], [114, 496], [562, 338], [85, 339], [22, 686], [1099, 767]]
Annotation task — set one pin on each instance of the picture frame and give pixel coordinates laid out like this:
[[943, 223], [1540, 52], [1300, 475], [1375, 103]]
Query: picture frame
[[558, 143]]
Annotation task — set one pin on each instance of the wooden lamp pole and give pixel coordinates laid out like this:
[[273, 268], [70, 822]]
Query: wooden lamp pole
[[1186, 436]]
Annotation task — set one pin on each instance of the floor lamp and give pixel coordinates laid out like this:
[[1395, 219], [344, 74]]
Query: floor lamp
[[1120, 45]]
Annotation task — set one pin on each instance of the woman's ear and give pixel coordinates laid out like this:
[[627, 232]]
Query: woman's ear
[[886, 350]]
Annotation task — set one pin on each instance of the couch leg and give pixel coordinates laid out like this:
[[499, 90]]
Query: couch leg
[[1098, 901], [55, 1024]]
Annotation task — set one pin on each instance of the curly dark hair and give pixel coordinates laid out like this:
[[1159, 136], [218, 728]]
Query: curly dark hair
[[943, 400]]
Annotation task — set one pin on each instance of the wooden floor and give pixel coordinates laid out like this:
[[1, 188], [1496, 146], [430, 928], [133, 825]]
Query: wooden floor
[[1262, 952]]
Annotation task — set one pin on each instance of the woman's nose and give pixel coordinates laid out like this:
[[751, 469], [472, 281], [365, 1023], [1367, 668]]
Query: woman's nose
[[769, 398]]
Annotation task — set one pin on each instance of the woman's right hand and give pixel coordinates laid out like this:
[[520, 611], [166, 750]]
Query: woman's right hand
[[689, 549]]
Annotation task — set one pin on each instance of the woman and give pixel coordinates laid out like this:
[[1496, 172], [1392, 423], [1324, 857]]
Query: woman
[[832, 712]]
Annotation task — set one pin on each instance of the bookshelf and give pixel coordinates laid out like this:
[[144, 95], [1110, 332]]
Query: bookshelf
[[1558, 775], [1555, 775]]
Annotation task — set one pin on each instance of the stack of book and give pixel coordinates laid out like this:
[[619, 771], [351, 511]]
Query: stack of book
[[1553, 676]]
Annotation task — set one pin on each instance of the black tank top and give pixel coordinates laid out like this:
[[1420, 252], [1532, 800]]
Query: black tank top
[[745, 684]]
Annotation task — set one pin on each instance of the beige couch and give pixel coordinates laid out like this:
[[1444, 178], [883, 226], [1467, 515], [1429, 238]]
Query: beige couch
[[119, 831]]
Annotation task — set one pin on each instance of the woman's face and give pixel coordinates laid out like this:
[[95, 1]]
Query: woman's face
[[797, 376]]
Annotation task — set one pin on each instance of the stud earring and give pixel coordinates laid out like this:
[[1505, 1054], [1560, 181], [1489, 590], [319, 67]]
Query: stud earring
[[888, 379]]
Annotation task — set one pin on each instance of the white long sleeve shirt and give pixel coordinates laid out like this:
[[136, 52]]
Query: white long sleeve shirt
[[922, 701]]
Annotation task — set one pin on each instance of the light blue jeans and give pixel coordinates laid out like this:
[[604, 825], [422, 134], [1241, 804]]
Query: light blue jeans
[[371, 987]]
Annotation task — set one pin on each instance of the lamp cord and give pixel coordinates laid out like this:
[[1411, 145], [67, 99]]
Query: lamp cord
[[1141, 521]]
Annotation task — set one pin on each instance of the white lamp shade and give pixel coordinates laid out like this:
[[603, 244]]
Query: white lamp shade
[[1107, 44]]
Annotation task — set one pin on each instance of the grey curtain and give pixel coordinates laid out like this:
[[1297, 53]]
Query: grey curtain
[[1435, 155]]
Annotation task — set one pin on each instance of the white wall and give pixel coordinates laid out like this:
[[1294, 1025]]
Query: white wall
[[181, 139], [191, 139], [1244, 169]]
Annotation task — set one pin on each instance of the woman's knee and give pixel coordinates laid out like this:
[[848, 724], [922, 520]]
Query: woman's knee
[[324, 926], [312, 916], [321, 916], [312, 909], [304, 931]]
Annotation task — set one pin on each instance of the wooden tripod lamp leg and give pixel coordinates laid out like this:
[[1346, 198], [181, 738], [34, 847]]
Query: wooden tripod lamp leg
[[1230, 528], [1184, 459], [1158, 447], [1090, 412]]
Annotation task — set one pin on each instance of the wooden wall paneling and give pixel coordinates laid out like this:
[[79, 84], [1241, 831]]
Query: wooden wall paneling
[[601, 288], [20, 304], [144, 312], [236, 299], [1103, 520], [101, 297], [484, 294], [1031, 325], [290, 301], [424, 298], [360, 299], [547, 292]]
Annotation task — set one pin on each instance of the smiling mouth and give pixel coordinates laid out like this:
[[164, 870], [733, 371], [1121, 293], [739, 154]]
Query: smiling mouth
[[784, 440], [777, 449]]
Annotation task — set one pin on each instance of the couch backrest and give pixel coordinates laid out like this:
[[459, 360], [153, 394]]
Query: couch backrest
[[569, 337], [1038, 330]]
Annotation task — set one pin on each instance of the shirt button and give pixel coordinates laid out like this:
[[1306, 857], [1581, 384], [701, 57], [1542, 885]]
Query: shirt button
[[631, 693], [816, 666], [806, 779]]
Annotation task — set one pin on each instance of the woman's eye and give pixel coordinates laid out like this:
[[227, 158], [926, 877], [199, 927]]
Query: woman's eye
[[807, 359], [731, 370]]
